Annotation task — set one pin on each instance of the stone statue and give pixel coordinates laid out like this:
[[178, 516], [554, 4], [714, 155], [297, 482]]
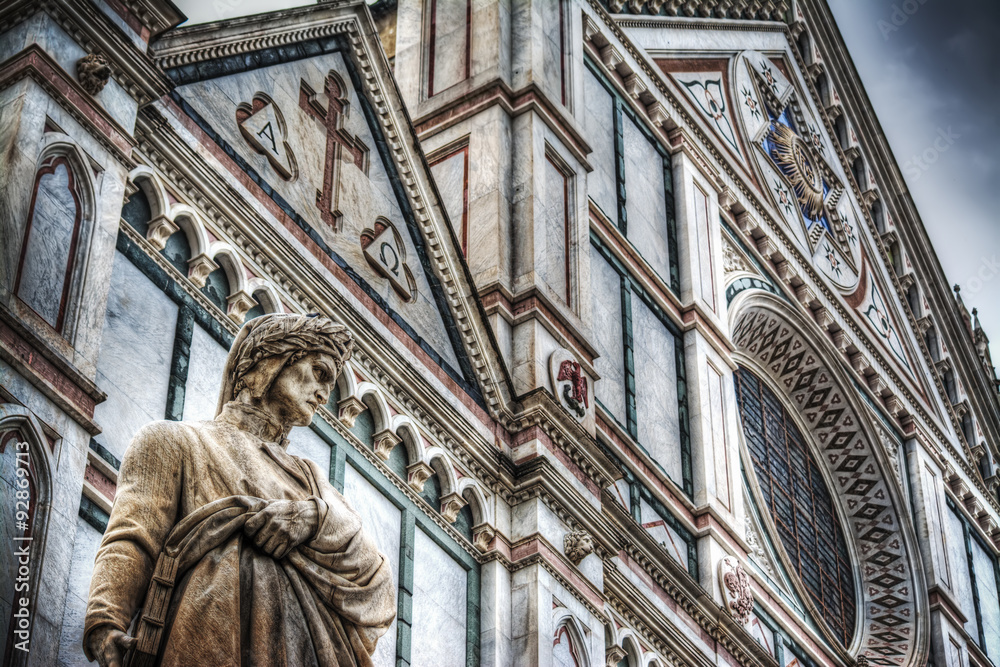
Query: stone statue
[[222, 548]]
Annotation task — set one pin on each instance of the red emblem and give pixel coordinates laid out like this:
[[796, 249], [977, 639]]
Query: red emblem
[[576, 393]]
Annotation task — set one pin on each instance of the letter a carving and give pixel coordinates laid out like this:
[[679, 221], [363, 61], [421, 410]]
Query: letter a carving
[[338, 141]]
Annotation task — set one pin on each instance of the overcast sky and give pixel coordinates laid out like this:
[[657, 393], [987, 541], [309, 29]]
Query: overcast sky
[[932, 71]]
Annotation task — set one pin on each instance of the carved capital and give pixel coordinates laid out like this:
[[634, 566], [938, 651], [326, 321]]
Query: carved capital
[[451, 505], [160, 229], [577, 545], [348, 410], [611, 57], [482, 535], [418, 473], [736, 589], [613, 655], [240, 304], [384, 442], [634, 85], [198, 269]]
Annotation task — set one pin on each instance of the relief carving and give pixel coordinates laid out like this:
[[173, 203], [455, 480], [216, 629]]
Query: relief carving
[[736, 589], [94, 72], [577, 545]]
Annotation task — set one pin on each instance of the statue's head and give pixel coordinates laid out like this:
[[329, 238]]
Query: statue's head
[[286, 365]]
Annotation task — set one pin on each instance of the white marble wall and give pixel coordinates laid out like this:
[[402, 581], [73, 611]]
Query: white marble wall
[[138, 334], [381, 520], [439, 606], [208, 361], [85, 545]]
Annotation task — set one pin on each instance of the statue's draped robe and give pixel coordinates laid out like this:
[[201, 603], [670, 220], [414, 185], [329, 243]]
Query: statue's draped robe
[[238, 606]]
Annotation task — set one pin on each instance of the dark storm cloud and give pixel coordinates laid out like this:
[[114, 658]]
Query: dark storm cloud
[[932, 71]]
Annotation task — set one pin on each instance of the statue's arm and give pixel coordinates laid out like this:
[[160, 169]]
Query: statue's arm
[[145, 509]]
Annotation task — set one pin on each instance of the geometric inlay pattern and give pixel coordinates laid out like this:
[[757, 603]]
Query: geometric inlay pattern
[[800, 504], [888, 603]]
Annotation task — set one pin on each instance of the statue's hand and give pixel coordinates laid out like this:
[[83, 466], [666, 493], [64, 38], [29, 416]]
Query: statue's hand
[[109, 644], [282, 526]]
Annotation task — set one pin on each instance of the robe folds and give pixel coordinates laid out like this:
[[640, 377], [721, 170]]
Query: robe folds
[[325, 604]]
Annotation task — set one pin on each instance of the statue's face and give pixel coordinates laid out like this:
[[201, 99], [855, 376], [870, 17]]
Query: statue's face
[[301, 388]]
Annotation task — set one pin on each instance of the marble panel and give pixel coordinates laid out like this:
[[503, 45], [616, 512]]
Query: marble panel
[[88, 539], [961, 577], [605, 288], [208, 361], [450, 175], [984, 567], [598, 125], [553, 63], [451, 44], [439, 606], [382, 520], [116, 18], [138, 333], [645, 200], [53, 220], [656, 389], [657, 526], [553, 256], [306, 443]]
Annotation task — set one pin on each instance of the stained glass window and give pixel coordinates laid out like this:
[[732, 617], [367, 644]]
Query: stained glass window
[[800, 504]]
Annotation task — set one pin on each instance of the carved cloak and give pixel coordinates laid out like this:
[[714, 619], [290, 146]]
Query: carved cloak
[[238, 606]]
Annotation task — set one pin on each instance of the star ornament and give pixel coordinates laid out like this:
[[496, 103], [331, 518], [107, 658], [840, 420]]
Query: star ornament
[[794, 156]]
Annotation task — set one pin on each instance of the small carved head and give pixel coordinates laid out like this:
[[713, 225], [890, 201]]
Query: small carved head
[[93, 71], [577, 545]]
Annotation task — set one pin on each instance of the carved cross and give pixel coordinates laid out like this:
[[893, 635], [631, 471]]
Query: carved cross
[[338, 140]]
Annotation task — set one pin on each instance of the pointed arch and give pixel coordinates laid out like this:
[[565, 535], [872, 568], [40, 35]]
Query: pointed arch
[[568, 640], [23, 440], [56, 238]]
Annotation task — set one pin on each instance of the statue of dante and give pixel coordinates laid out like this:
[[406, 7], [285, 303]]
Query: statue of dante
[[223, 549]]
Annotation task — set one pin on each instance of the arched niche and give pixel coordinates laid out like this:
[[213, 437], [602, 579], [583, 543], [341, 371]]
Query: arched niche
[[23, 446], [784, 349]]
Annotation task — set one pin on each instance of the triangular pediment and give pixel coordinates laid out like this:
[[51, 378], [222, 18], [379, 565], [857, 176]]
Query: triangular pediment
[[299, 107]]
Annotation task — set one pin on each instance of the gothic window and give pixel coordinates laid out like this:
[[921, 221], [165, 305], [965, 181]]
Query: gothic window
[[913, 299], [949, 386], [565, 648], [858, 171], [641, 363], [968, 431], [878, 216], [800, 503], [931, 340], [51, 236], [896, 258], [840, 131], [975, 581], [823, 88], [449, 44], [804, 50]]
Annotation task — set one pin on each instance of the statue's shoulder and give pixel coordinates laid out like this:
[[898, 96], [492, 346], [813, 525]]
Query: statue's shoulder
[[166, 434]]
